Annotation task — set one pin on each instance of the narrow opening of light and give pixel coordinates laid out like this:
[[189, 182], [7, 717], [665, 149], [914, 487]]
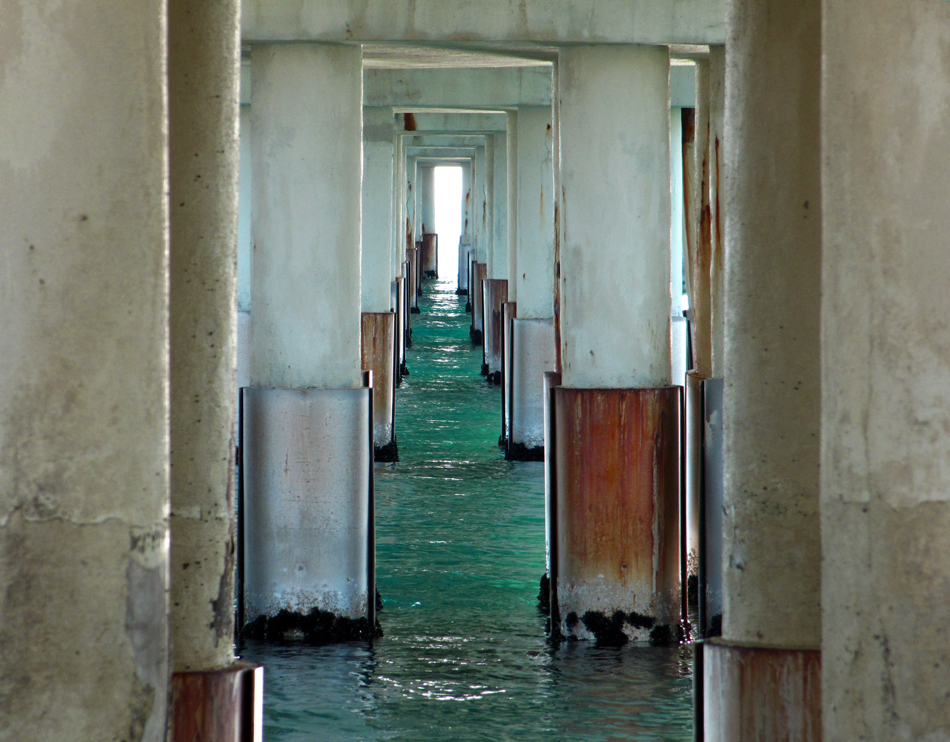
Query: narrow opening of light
[[448, 218]]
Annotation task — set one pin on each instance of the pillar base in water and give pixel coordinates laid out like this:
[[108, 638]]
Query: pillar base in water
[[515, 451], [225, 705], [753, 693], [494, 297], [532, 355], [616, 566], [378, 356], [387, 454], [309, 545]]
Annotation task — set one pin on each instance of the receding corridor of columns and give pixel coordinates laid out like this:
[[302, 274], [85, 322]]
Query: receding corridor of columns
[[561, 369]]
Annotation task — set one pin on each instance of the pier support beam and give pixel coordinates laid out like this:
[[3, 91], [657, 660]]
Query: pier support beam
[[308, 532], [771, 411], [208, 698], [376, 262], [618, 577], [379, 355], [885, 371], [84, 471], [533, 350]]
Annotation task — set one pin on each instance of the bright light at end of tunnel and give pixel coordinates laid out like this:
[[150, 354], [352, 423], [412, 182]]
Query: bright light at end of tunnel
[[448, 218]]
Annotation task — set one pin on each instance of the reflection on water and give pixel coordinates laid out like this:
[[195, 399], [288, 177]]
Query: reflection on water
[[460, 550]]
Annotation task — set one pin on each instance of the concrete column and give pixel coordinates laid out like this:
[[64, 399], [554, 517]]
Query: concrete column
[[512, 137], [498, 263], [717, 262], [305, 287], [245, 253], [487, 220], [535, 261], [480, 206], [884, 479], [412, 223], [615, 261], [399, 204], [533, 351], [700, 269], [84, 469], [308, 533], [203, 95], [376, 269], [427, 194], [771, 407], [616, 417]]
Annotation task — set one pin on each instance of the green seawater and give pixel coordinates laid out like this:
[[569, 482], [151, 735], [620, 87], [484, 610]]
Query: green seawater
[[460, 551]]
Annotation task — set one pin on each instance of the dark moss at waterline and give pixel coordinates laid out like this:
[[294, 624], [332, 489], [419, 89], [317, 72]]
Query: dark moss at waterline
[[387, 454], [316, 627], [608, 631], [515, 451], [476, 336], [415, 310], [462, 292], [485, 368], [544, 596], [493, 378]]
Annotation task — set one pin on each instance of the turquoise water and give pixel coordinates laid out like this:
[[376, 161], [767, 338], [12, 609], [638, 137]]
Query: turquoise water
[[460, 550]]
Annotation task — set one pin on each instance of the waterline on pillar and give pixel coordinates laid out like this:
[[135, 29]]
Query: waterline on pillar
[[460, 546]]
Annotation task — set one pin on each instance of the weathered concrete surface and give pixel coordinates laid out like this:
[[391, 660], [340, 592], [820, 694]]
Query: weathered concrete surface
[[203, 85], [477, 89], [376, 268], [454, 123], [615, 221], [544, 21], [307, 165], [498, 256], [535, 264], [885, 371], [718, 144], [512, 190], [83, 373], [771, 413]]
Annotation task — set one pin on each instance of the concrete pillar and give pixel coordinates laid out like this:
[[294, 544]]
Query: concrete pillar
[[379, 356], [771, 407], [700, 268], [512, 173], [245, 253], [717, 262], [498, 260], [616, 417], [468, 196], [533, 351], [84, 469], [203, 93], [535, 224], [482, 223], [884, 481], [427, 195], [309, 530], [376, 269]]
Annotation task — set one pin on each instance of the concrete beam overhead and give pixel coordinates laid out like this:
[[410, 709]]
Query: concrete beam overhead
[[472, 89], [463, 21]]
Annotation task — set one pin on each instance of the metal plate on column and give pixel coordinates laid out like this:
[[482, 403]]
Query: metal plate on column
[[617, 509], [306, 474]]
